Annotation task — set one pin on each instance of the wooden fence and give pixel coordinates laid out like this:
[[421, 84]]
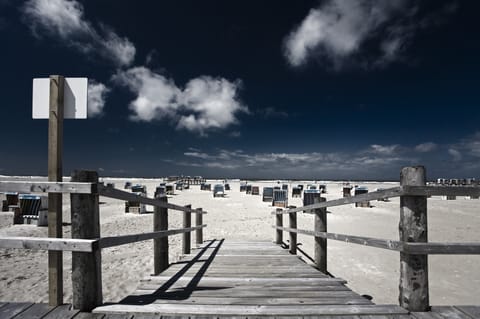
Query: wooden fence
[[413, 245], [86, 243]]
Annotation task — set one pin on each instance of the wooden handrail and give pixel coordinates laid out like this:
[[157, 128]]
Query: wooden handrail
[[48, 187], [123, 195]]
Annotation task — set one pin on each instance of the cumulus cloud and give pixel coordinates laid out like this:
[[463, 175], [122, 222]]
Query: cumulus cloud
[[339, 32], [64, 20], [384, 149], [426, 147], [97, 93], [204, 103]]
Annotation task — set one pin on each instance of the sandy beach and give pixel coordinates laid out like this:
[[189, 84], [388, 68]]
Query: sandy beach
[[453, 279]]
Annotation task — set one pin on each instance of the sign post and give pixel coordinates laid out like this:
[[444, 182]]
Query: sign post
[[55, 174], [57, 98]]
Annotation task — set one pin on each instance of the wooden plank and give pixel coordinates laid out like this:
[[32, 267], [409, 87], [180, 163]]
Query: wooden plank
[[448, 312], [360, 240], [160, 245], [186, 236], [62, 312], [294, 301], [251, 281], [10, 310], [106, 242], [47, 187], [256, 310], [89, 315], [440, 190], [36, 311], [442, 248], [320, 243], [472, 311], [126, 196], [58, 244]]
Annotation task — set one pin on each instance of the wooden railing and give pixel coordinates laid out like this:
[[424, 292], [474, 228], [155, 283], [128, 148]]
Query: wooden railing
[[86, 243], [413, 245]]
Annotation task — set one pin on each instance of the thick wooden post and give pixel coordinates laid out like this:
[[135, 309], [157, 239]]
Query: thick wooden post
[[413, 228], [86, 267], [187, 223], [55, 174], [199, 232], [292, 217], [279, 223], [320, 246], [160, 245]]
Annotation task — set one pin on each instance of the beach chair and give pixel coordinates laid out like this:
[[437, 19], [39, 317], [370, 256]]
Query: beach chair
[[285, 187], [134, 206], [243, 187], [361, 190], [322, 188], [248, 189], [30, 209], [179, 186], [347, 191], [11, 199], [296, 192], [227, 187], [218, 190], [169, 190], [255, 190], [280, 198], [300, 186], [267, 194], [127, 185], [160, 190]]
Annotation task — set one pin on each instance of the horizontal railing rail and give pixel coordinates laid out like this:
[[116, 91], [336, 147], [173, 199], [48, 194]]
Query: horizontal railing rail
[[86, 245], [389, 193], [430, 248], [115, 193], [48, 187]]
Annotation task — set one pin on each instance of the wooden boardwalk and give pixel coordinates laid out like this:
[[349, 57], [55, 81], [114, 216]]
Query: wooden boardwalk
[[238, 280]]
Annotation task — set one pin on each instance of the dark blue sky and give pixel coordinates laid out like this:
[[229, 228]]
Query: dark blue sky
[[273, 89]]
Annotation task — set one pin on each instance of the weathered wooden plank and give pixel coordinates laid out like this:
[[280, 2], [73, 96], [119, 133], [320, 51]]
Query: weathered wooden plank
[[89, 315], [119, 316], [58, 244], [426, 315], [36, 311], [448, 312], [62, 312], [440, 190], [123, 195], [256, 310], [472, 311], [106, 242], [47, 187], [366, 241], [249, 281], [442, 248], [348, 300], [10, 310], [160, 245]]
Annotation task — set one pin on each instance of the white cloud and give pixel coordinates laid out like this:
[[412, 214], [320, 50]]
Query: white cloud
[[205, 103], [213, 103], [339, 32], [157, 96], [64, 20], [426, 147], [97, 93]]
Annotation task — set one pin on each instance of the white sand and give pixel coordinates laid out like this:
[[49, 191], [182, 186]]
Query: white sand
[[453, 279]]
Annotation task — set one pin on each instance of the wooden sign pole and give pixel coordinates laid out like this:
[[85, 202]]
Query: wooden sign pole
[[55, 150]]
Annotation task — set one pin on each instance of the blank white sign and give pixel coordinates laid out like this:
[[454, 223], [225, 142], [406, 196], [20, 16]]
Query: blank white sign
[[75, 98]]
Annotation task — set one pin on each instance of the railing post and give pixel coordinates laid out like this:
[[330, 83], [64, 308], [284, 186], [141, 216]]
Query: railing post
[[279, 223], [199, 222], [86, 267], [187, 223], [413, 228], [292, 217], [320, 246], [160, 245]]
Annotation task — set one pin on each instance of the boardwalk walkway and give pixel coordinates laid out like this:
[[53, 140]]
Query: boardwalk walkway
[[226, 279]]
